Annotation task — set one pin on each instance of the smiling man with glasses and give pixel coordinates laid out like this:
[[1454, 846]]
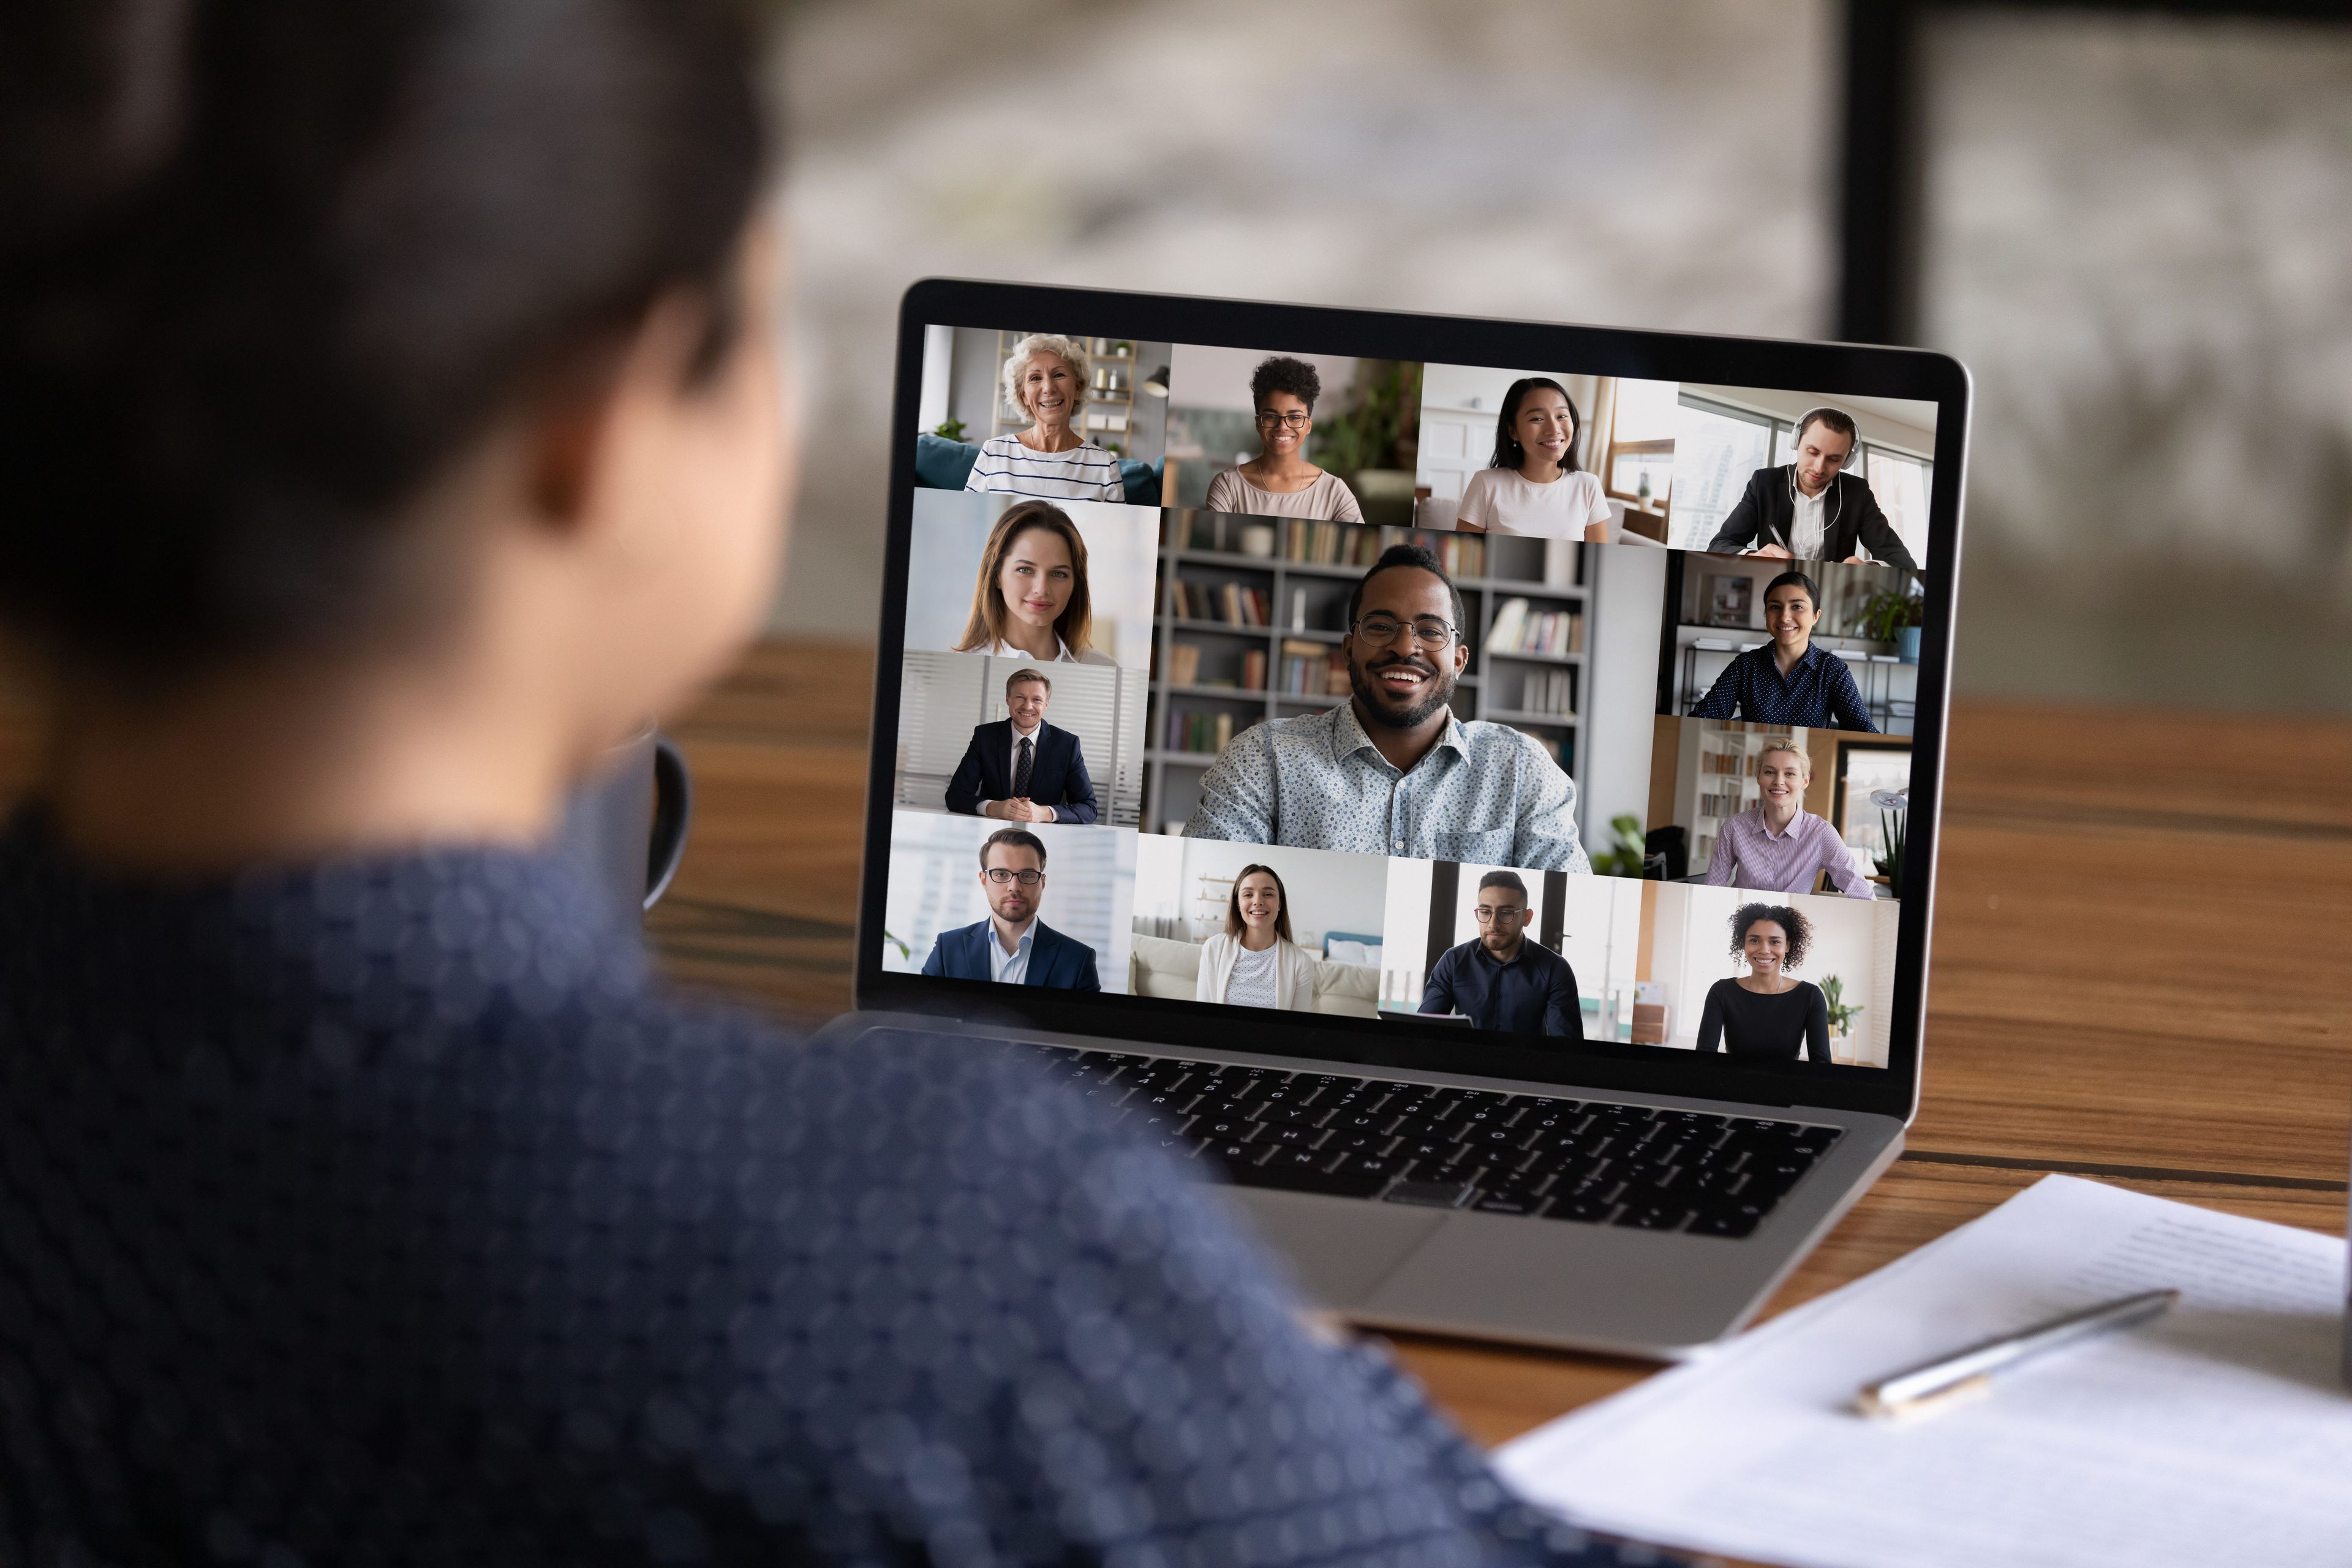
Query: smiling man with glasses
[[1012, 946], [1392, 771]]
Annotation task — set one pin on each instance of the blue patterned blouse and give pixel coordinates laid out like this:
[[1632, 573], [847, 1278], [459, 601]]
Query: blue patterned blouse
[[383, 1211]]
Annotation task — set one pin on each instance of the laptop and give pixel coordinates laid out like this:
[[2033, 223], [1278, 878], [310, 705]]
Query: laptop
[[1466, 787]]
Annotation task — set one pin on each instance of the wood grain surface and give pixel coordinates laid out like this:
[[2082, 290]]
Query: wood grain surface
[[2139, 974], [2139, 964]]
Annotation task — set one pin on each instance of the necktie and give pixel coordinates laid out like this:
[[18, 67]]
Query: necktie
[[1021, 771]]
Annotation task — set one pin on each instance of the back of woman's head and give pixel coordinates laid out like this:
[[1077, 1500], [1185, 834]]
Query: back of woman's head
[[269, 267]]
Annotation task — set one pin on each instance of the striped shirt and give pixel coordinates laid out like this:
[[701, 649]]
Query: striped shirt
[[1082, 473], [1819, 693]]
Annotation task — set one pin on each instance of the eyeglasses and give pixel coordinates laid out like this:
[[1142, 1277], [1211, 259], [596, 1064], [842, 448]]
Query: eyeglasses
[[1488, 913], [1428, 630], [1003, 878], [1294, 420]]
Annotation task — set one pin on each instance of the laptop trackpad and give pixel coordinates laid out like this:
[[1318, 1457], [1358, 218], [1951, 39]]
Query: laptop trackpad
[[1340, 1249]]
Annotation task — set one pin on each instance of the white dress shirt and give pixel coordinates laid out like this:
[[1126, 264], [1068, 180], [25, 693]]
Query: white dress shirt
[[1809, 531], [1013, 763], [1062, 653], [1009, 968]]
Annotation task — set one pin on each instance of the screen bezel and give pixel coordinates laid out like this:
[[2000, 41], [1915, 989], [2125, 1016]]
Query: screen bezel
[[1844, 369]]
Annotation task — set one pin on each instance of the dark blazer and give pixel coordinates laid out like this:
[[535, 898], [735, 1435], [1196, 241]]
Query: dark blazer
[[1058, 778], [1061, 961], [1850, 512]]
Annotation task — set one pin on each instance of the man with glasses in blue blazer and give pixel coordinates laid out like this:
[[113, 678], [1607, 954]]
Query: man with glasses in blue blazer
[[1012, 946]]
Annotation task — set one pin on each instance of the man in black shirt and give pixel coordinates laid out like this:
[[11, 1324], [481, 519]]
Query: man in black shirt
[[1503, 980]]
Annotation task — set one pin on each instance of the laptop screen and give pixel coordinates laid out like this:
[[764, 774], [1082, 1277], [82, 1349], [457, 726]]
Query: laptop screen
[[1566, 708]]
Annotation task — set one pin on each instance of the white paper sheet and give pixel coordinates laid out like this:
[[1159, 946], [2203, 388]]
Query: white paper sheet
[[2220, 1433]]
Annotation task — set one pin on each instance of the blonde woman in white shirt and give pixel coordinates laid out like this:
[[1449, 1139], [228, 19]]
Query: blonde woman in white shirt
[[1533, 486], [1252, 963]]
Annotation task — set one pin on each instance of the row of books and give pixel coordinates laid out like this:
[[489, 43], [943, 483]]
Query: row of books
[[1522, 630], [1230, 602], [1184, 667], [1735, 762], [1199, 732], [1721, 803], [1549, 691], [1312, 669]]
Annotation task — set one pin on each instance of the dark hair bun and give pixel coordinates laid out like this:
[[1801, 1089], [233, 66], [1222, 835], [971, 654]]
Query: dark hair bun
[[265, 268]]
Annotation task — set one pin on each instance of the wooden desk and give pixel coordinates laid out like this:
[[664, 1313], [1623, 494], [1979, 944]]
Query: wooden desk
[[2140, 962]]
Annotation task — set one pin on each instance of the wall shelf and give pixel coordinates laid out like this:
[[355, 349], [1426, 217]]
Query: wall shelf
[[1514, 568]]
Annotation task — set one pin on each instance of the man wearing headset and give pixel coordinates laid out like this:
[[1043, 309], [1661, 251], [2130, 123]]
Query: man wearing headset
[[1812, 510]]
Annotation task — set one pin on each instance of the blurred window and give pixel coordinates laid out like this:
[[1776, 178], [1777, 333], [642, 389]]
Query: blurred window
[[1717, 447]]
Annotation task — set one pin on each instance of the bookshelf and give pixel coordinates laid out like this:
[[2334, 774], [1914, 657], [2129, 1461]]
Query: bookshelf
[[1724, 784], [1109, 419], [1263, 602]]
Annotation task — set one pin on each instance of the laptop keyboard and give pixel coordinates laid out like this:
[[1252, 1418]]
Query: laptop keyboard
[[1588, 1162]]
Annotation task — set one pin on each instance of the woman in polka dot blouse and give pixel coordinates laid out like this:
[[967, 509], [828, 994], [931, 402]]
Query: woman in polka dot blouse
[[394, 420]]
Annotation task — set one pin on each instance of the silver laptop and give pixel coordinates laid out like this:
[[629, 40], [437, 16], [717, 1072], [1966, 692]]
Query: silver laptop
[[1468, 787]]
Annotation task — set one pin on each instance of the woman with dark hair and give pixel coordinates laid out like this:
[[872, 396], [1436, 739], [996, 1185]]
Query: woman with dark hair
[[1787, 681], [1279, 481], [1766, 1013], [1029, 600], [393, 417], [1253, 962], [1533, 486]]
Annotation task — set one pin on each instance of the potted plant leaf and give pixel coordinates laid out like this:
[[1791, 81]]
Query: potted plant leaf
[[1893, 617], [1841, 1013], [1373, 442]]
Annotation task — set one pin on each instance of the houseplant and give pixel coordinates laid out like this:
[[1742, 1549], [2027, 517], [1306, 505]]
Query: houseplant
[[1841, 1013], [1624, 858], [1373, 442], [1893, 617]]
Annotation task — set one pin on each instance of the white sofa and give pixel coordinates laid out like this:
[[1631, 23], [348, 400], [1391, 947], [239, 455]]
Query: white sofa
[[1158, 967]]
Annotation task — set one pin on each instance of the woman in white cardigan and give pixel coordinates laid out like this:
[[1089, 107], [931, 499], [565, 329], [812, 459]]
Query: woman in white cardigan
[[1252, 963]]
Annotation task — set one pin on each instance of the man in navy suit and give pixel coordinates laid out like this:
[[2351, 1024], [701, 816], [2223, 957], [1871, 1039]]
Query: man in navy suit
[[1021, 769], [1012, 946]]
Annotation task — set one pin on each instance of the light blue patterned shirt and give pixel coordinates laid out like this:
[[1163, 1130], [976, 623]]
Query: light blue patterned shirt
[[1485, 793]]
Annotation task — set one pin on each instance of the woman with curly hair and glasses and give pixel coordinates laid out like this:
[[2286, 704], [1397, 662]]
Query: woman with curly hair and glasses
[[1279, 481], [1766, 1014], [1045, 377]]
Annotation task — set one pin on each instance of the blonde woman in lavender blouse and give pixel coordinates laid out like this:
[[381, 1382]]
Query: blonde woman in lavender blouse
[[1777, 846]]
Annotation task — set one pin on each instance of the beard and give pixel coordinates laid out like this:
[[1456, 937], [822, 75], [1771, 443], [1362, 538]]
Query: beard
[[1380, 704]]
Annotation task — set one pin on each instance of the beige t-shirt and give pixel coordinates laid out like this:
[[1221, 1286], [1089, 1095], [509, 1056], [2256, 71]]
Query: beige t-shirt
[[1504, 501], [1327, 498]]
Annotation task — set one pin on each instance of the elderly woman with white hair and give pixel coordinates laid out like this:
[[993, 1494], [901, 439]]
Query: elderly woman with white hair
[[1045, 378]]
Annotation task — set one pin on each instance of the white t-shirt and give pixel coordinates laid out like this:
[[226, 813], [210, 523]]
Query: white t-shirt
[[1504, 501], [1253, 982]]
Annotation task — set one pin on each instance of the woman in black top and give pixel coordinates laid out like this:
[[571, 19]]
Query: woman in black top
[[1764, 1013]]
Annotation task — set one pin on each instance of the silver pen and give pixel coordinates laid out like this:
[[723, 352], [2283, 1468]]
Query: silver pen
[[1968, 1374]]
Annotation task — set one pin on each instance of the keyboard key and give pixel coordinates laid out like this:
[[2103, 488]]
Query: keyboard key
[[1740, 1219], [1306, 1174], [1591, 1208], [1442, 1194], [1653, 1216]]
